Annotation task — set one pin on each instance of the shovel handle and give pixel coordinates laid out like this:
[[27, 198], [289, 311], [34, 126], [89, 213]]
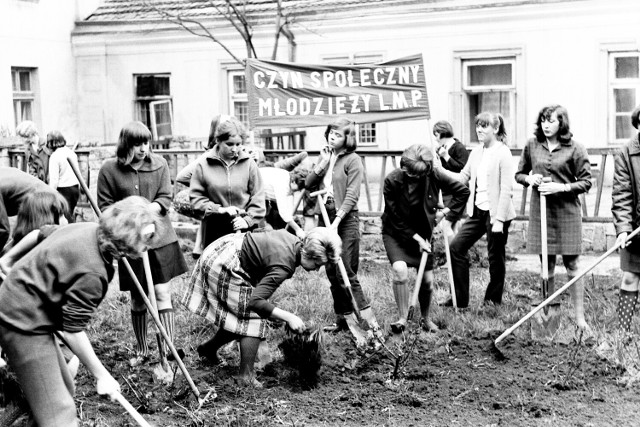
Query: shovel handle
[[545, 252], [565, 287], [416, 288], [154, 304], [154, 315], [131, 410]]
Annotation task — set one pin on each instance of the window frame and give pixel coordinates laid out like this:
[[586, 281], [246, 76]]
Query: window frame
[[614, 83], [150, 102], [234, 97], [25, 96]]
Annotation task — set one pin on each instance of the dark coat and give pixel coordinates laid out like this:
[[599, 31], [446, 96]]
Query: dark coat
[[394, 219], [626, 187], [458, 157]]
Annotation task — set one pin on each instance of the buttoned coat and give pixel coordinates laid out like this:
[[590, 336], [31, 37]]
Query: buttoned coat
[[567, 164], [626, 187]]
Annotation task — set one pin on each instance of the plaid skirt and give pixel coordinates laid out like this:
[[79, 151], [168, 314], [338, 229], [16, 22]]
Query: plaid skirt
[[564, 224], [219, 289]]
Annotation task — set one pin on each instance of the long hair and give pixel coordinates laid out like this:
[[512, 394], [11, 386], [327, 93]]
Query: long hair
[[564, 132], [496, 121], [349, 129], [635, 117], [55, 140], [131, 135], [417, 160], [37, 209], [121, 225], [322, 245]]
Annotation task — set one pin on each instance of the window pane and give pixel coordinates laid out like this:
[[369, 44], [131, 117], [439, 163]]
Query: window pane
[[239, 84], [625, 100], [25, 81], [163, 119], [143, 113], [25, 111], [627, 67], [487, 75], [488, 101], [368, 133], [152, 86], [241, 111], [624, 130], [161, 86], [15, 81]]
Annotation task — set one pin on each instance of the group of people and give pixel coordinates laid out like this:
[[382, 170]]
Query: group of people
[[55, 275]]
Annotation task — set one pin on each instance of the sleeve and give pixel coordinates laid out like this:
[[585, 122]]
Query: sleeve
[[198, 193], [507, 172], [265, 288], [284, 198], [622, 194], [315, 176], [5, 229], [355, 172], [46, 231], [458, 156], [54, 170], [524, 166], [391, 193], [582, 172], [163, 196], [82, 300], [256, 207], [459, 195], [184, 176], [106, 191]]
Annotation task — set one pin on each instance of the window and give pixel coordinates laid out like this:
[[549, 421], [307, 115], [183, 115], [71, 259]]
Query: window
[[624, 93], [488, 85], [368, 131], [24, 94], [238, 100], [153, 104]]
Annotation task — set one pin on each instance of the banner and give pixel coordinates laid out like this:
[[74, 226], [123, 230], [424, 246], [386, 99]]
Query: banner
[[283, 94]]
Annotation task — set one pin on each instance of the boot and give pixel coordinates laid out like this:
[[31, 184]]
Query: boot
[[401, 294], [424, 297]]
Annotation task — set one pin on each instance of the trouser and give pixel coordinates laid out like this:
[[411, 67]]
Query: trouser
[[71, 195], [470, 232], [349, 232], [43, 375]]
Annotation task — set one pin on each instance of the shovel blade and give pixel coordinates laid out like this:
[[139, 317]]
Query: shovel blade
[[546, 323], [163, 374], [358, 333]]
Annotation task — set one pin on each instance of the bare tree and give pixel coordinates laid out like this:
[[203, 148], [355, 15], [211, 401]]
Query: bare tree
[[234, 12]]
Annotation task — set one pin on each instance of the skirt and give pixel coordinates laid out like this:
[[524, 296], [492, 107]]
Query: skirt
[[166, 263], [629, 261], [219, 289], [408, 252]]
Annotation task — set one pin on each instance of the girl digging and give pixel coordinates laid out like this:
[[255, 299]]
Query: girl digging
[[555, 154], [234, 278], [410, 209], [339, 170], [138, 171]]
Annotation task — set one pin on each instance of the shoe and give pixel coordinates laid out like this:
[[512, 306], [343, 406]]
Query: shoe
[[397, 327], [180, 352], [339, 326], [428, 326], [212, 360], [195, 256], [449, 303], [138, 360]]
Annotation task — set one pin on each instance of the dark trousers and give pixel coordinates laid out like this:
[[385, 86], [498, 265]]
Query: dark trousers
[[71, 195], [470, 232], [349, 232]]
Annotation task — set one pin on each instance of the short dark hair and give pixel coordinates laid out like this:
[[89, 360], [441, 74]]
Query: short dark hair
[[417, 160], [564, 132], [349, 128], [55, 140], [131, 135], [635, 117], [444, 128]]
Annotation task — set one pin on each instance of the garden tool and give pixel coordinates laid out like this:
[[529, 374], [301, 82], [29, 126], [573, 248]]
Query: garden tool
[[416, 290], [562, 289], [162, 371], [154, 315], [547, 322], [131, 410], [352, 319], [447, 253]]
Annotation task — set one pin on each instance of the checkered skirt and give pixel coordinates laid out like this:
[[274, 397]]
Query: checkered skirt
[[219, 289]]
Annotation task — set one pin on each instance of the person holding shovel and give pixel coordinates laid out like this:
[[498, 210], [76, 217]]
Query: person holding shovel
[[625, 195], [339, 170], [410, 216], [138, 172], [55, 289], [559, 168], [234, 278]]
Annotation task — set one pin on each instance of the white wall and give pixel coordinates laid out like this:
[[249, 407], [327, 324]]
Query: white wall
[[37, 34]]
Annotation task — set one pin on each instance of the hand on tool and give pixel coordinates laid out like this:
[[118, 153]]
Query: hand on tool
[[107, 385], [534, 179], [239, 223], [547, 188], [620, 240], [447, 228], [425, 245], [441, 214]]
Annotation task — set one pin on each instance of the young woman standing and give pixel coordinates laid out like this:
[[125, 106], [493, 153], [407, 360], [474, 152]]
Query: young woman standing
[[489, 175], [138, 172], [61, 176], [555, 155]]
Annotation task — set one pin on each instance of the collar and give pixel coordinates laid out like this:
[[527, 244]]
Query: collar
[[150, 163], [212, 156], [634, 145]]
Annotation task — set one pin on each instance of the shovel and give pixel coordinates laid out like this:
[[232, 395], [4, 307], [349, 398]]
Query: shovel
[[353, 319], [547, 322], [162, 371], [416, 289]]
